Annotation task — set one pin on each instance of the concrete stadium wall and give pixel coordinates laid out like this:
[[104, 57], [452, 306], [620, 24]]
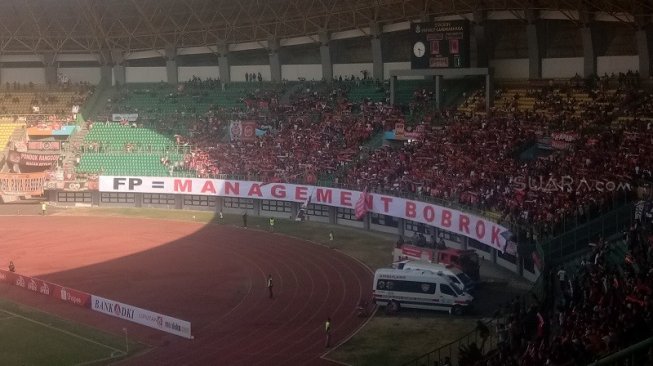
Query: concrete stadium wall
[[277, 209], [506, 68], [135, 74], [238, 72], [616, 64], [347, 70], [393, 66], [82, 74], [510, 68], [294, 72], [203, 72], [562, 67], [23, 75]]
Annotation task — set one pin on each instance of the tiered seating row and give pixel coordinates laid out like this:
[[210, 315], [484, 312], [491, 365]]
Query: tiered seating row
[[51, 102], [116, 137], [371, 91], [115, 149], [145, 164], [6, 130]]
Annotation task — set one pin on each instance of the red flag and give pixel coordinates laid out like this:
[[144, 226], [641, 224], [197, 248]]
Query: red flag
[[363, 205]]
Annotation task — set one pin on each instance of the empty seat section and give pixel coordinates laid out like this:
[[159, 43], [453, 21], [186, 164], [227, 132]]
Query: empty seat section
[[113, 149]]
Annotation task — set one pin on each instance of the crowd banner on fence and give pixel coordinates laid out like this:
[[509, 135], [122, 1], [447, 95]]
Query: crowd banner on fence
[[455, 221], [130, 117], [235, 130], [249, 131], [22, 184], [140, 316], [51, 130], [46, 288], [29, 159], [43, 145]]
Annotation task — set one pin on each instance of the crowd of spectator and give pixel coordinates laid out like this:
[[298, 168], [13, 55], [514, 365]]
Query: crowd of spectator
[[476, 160], [579, 150], [599, 305], [317, 131]]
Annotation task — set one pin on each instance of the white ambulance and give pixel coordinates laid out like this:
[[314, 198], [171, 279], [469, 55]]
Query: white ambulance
[[419, 290], [463, 281]]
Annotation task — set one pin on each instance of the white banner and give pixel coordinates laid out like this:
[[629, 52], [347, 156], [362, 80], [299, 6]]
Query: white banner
[[140, 316], [455, 221], [131, 117]]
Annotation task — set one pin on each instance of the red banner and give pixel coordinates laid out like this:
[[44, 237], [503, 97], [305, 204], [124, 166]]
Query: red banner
[[46, 288], [32, 159], [414, 252], [249, 131], [80, 185], [43, 145]]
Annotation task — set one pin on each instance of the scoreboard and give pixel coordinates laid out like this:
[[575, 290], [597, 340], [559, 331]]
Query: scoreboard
[[443, 44]]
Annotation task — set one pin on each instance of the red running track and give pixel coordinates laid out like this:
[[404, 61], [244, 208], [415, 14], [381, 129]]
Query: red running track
[[213, 276]]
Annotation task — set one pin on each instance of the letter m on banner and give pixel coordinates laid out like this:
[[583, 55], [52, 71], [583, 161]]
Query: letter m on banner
[[363, 205]]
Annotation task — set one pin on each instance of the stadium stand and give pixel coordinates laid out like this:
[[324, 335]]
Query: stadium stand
[[145, 164], [554, 152], [325, 120], [6, 130], [372, 91], [118, 149], [121, 137], [28, 100], [316, 134], [446, 164], [602, 304]]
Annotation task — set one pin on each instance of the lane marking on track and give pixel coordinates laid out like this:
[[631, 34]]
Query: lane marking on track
[[336, 362], [324, 355]]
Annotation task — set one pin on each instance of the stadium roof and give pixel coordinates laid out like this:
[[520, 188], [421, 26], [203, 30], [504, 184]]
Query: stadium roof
[[69, 26]]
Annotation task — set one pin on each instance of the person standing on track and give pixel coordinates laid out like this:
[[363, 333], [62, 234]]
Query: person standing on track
[[245, 219], [327, 330], [44, 207], [270, 286], [271, 224]]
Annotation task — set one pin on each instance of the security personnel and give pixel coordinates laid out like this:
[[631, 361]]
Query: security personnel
[[271, 223]]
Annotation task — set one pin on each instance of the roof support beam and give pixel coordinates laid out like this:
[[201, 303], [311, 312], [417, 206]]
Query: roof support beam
[[534, 45]]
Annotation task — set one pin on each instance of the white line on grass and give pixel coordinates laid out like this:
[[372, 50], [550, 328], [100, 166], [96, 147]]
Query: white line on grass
[[63, 331], [114, 354]]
